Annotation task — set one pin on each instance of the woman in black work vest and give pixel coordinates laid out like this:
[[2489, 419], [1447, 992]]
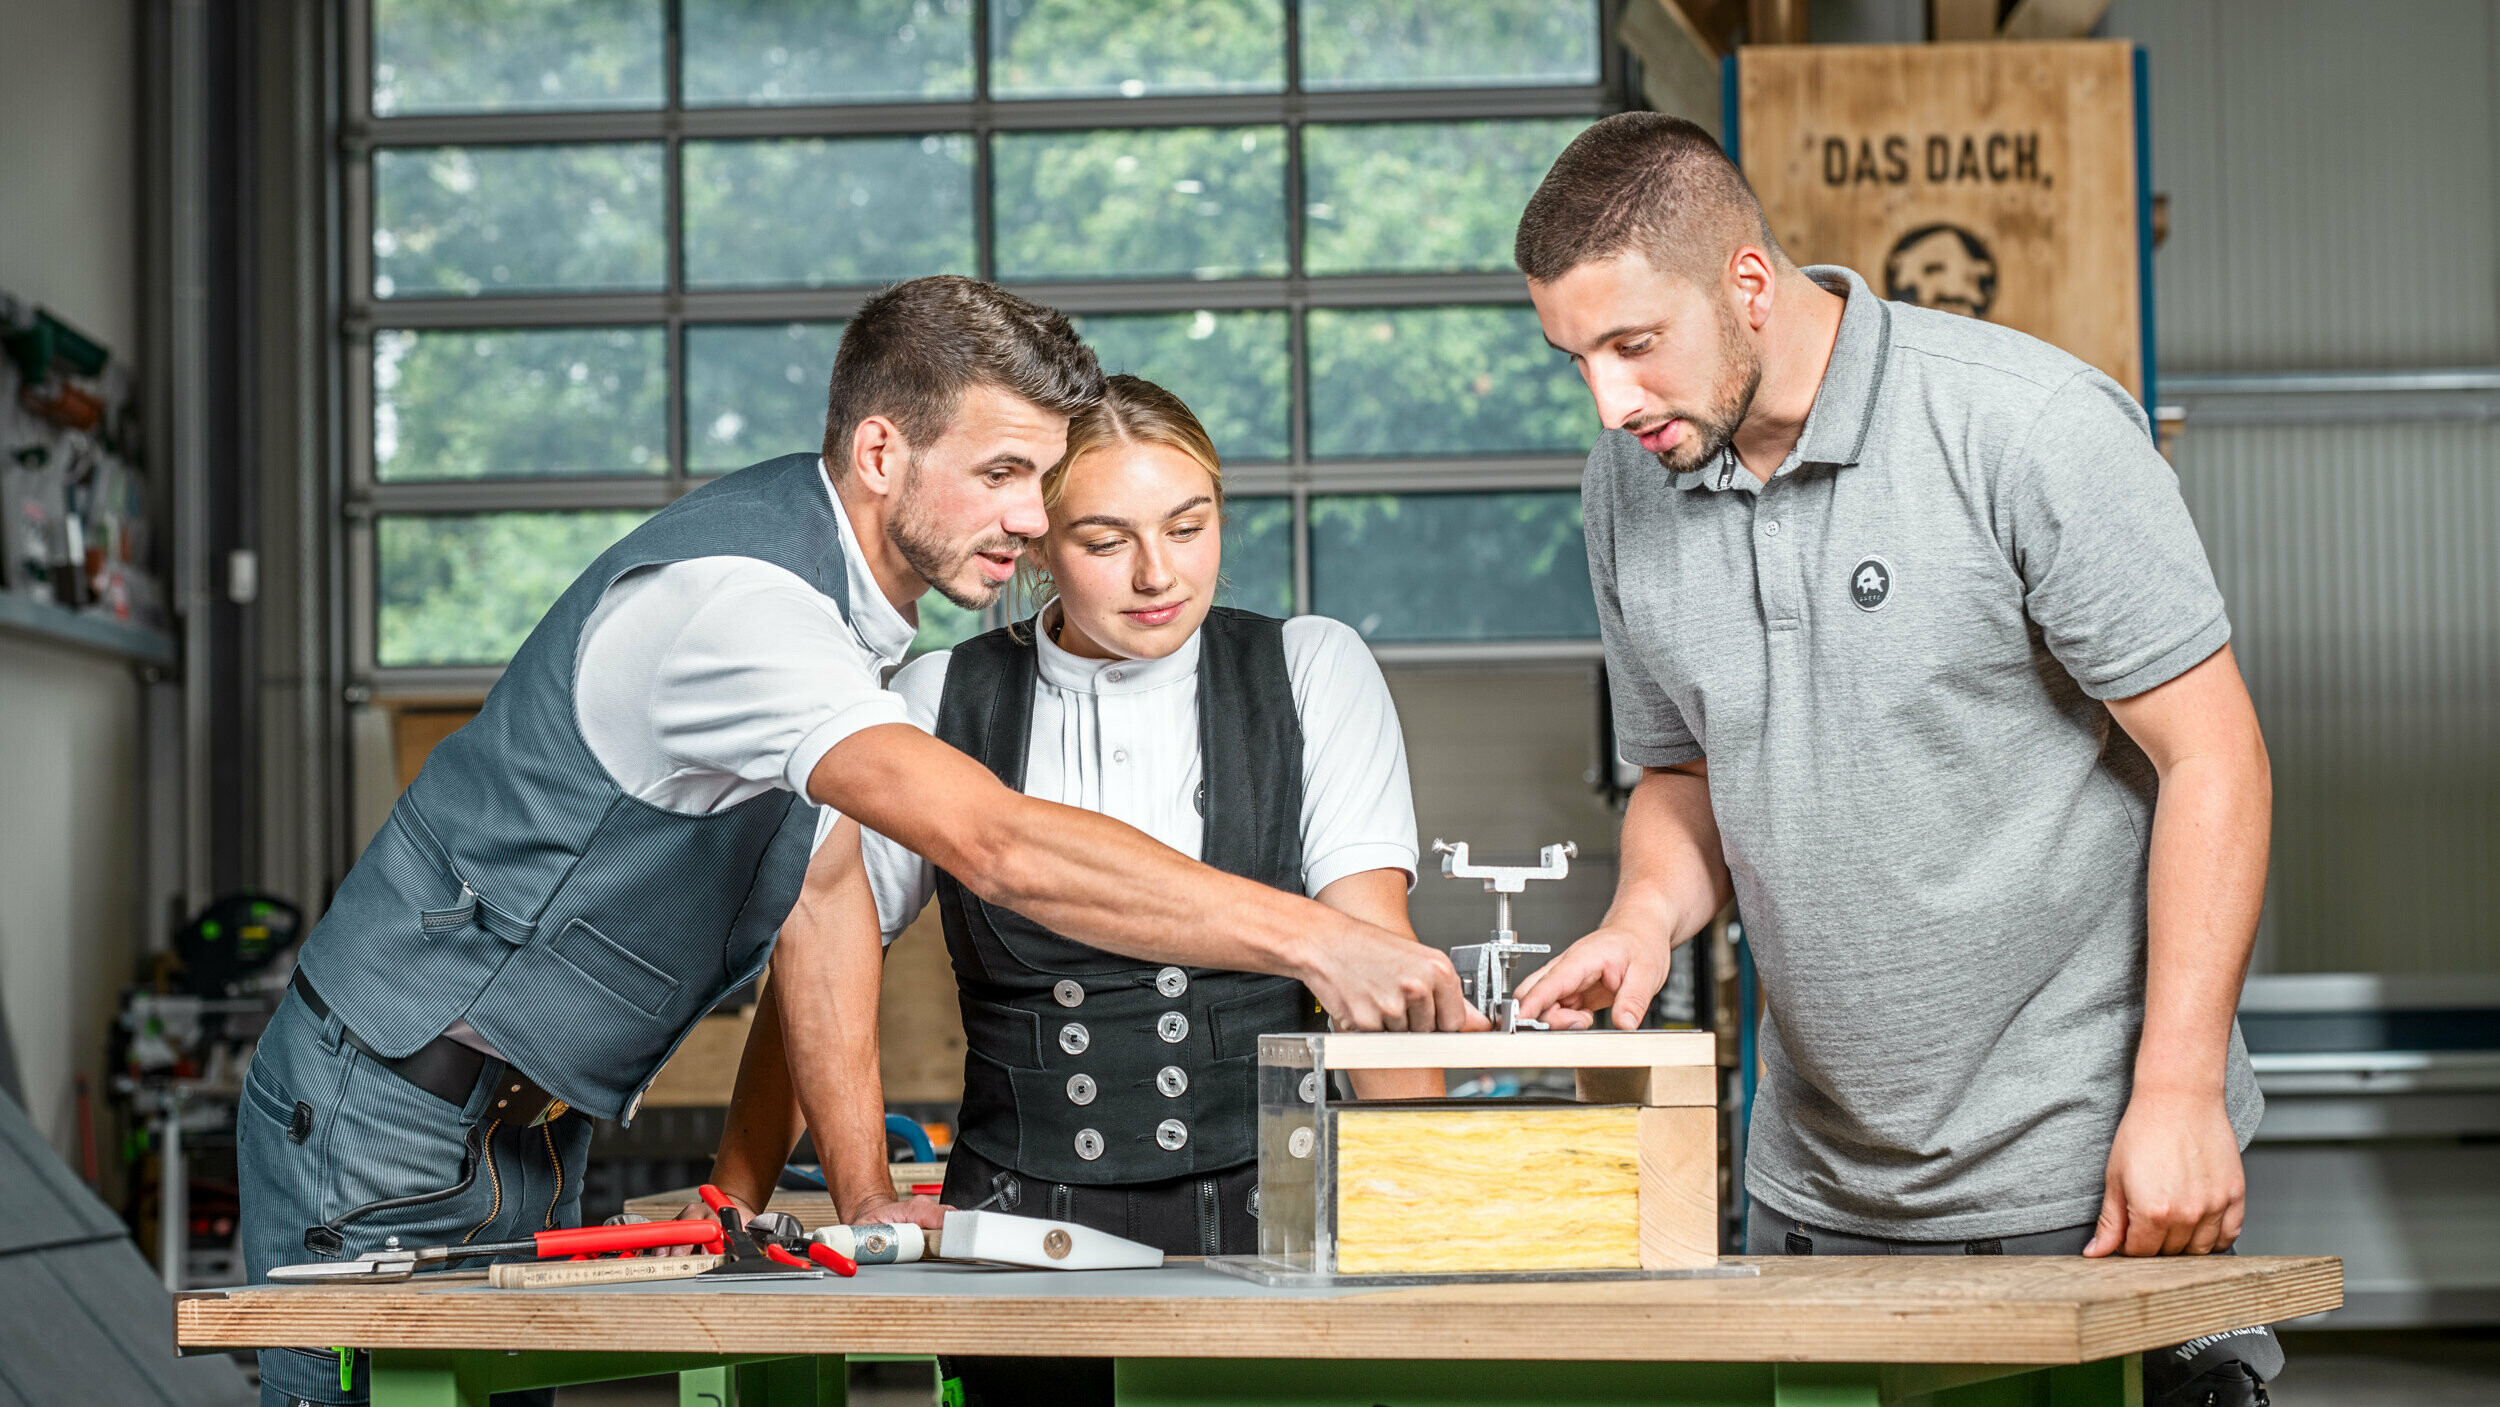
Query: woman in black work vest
[[1098, 1090]]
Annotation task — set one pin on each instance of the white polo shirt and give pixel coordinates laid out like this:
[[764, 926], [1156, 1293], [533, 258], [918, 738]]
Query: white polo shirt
[[1120, 737]]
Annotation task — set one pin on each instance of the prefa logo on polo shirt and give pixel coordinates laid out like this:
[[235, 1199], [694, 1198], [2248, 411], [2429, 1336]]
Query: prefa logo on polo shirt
[[1870, 584]]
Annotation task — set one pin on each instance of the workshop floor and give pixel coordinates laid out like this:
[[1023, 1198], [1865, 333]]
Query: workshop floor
[[2414, 1369]]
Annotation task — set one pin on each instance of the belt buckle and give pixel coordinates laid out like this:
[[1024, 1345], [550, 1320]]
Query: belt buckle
[[549, 1110]]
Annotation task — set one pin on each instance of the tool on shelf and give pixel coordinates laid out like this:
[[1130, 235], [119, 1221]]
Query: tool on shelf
[[394, 1262], [1488, 984]]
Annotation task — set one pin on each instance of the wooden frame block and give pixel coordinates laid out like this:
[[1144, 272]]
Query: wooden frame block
[[1679, 1188], [1669, 1086]]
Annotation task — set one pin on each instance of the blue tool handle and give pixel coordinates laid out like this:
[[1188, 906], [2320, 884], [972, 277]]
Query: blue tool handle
[[912, 1133]]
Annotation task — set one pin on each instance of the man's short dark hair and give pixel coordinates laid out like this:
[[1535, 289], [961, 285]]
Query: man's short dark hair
[[1641, 181], [912, 351]]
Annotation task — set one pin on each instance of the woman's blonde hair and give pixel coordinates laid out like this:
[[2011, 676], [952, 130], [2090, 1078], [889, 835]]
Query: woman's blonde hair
[[1132, 411]]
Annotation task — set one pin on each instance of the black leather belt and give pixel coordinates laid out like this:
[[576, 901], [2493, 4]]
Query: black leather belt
[[442, 1067]]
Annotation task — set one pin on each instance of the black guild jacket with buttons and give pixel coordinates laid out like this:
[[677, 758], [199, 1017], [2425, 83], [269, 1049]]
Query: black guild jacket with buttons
[[1084, 1066]]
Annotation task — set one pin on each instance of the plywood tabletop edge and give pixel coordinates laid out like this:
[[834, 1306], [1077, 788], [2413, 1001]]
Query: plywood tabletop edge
[[2267, 1290]]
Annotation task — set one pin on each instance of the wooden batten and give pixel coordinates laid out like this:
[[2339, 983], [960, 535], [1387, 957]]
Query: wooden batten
[[1679, 1188], [1666, 1085], [1520, 1050]]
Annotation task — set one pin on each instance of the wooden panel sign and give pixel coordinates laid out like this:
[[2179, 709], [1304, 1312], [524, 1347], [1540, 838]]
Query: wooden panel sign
[[1995, 180]]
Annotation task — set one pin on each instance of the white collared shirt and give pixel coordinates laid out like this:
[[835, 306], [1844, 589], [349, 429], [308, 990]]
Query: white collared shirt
[[1121, 737], [705, 683]]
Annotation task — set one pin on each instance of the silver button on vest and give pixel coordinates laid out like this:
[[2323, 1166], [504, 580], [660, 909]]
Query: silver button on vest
[[1073, 1038], [1171, 981], [1068, 994], [1173, 1027], [1173, 1081], [1172, 1134], [1080, 1089], [1088, 1144]]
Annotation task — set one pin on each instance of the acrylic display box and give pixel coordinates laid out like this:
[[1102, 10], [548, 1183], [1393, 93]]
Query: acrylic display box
[[1621, 1183]]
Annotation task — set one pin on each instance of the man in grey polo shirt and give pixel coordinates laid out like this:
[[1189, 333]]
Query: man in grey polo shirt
[[1919, 652]]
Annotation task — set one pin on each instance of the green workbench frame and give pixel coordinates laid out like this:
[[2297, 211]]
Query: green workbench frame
[[466, 1377]]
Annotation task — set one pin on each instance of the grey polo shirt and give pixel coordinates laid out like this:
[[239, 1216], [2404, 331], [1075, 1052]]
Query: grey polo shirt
[[1893, 654]]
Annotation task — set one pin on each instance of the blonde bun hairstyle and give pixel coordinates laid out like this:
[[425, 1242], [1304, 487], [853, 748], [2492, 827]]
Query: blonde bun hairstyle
[[1132, 411]]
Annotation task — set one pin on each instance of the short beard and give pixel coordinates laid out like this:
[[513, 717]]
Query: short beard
[[1714, 431], [937, 561]]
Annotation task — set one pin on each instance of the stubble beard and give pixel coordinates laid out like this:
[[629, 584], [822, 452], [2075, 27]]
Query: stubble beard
[[938, 562], [1714, 431]]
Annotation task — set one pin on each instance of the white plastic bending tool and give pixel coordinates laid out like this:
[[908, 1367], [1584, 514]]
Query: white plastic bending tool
[[1040, 1244]]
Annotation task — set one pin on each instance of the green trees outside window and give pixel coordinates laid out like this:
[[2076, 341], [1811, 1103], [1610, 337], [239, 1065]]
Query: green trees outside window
[[1323, 284]]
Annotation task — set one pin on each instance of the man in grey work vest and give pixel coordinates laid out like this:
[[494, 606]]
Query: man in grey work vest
[[579, 874], [1916, 646]]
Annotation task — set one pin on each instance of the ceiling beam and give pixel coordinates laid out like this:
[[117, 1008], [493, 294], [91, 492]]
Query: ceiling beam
[[2053, 19], [1961, 21], [1679, 63], [1775, 21]]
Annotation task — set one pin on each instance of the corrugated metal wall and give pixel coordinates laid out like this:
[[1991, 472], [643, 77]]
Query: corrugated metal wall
[[2362, 565], [2334, 180], [2330, 168]]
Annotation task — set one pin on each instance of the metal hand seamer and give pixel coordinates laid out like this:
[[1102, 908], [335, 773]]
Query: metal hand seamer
[[743, 1250], [1488, 985]]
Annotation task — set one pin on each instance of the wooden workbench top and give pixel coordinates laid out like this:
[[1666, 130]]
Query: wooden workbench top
[[1899, 1309]]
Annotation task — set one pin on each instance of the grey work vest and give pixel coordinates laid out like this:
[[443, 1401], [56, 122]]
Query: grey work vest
[[581, 931], [1086, 1067]]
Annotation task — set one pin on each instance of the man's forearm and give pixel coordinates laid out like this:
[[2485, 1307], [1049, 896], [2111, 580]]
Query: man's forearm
[[831, 966], [1672, 879], [1077, 872], [1111, 885], [2206, 885], [844, 1094], [764, 1118]]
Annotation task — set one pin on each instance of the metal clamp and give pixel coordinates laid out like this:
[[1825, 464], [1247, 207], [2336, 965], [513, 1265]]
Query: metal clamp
[[1488, 986]]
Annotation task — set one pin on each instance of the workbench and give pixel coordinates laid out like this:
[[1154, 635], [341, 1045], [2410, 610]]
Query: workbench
[[1807, 1332]]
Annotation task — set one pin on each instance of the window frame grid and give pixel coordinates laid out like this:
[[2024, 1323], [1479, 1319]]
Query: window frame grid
[[675, 307]]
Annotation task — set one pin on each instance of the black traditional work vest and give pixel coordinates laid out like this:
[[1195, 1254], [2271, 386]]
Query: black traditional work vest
[[1084, 1066]]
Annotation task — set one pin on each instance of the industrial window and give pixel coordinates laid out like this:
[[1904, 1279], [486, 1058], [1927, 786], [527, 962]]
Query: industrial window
[[596, 250]]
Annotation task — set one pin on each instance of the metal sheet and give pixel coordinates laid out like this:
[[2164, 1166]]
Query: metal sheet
[[47, 1205], [120, 1292], [68, 1333]]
